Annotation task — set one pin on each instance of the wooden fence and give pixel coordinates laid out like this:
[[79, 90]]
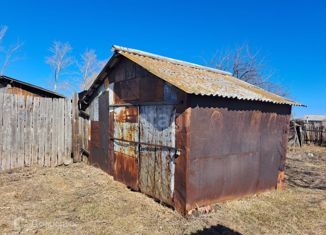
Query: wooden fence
[[302, 132], [314, 134], [80, 133], [34, 130]]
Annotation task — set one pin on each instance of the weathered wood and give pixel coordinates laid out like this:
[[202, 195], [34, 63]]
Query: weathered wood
[[42, 133], [35, 130], [80, 135], [28, 131], [68, 132], [61, 132], [48, 127], [13, 134], [35, 145], [57, 130], [6, 131], [20, 130], [54, 132], [75, 130]]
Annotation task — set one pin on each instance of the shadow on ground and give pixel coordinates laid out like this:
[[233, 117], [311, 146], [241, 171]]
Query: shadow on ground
[[216, 230]]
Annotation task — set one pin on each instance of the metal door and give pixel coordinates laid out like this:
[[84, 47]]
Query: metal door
[[157, 151], [125, 145]]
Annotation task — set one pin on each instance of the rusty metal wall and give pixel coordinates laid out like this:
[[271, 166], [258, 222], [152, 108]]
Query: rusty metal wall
[[125, 138], [183, 116], [236, 148], [99, 143]]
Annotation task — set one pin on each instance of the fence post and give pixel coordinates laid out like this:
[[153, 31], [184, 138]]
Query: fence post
[[75, 130]]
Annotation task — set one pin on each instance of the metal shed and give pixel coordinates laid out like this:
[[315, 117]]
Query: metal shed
[[182, 133]]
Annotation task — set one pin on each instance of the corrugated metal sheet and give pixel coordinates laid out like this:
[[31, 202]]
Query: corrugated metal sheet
[[200, 80]]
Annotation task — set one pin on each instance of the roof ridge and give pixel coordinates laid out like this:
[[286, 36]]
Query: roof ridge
[[175, 61], [31, 85]]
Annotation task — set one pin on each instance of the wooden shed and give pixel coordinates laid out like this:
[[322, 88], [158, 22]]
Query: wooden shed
[[18, 87], [182, 133]]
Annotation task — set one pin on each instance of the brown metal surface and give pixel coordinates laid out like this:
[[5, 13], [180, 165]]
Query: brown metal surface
[[126, 91], [99, 144], [96, 158], [236, 149], [126, 169], [182, 143]]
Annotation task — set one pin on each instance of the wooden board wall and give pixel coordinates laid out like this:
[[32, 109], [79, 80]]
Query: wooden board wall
[[34, 131]]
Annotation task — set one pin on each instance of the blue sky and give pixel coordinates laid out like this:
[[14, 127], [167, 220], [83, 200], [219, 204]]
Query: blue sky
[[290, 35]]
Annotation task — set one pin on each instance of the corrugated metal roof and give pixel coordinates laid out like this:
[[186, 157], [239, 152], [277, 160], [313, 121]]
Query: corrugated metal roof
[[200, 80]]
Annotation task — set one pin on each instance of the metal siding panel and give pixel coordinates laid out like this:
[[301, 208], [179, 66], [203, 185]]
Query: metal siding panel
[[157, 164], [99, 143], [236, 149], [181, 169], [126, 91], [125, 128]]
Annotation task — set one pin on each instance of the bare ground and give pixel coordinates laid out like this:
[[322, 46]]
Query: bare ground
[[80, 199]]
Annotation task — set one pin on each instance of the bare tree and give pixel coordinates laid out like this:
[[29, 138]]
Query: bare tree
[[60, 59], [3, 30], [7, 54], [89, 68], [249, 67]]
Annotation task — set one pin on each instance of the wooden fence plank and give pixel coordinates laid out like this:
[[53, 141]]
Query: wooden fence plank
[[75, 130], [54, 133], [35, 145], [66, 135], [61, 132], [20, 130], [68, 132], [13, 133], [6, 130], [48, 134], [57, 131], [28, 131], [42, 131]]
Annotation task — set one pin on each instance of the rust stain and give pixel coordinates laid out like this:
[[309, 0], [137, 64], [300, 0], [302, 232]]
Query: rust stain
[[127, 114], [126, 170], [280, 181], [125, 127]]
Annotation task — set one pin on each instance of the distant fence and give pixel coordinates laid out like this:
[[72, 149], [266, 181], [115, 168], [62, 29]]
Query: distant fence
[[307, 133], [34, 130]]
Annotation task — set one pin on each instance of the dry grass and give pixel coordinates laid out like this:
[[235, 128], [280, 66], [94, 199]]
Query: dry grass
[[80, 199]]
